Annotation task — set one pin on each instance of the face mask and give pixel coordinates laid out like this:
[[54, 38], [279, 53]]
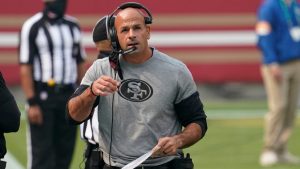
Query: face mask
[[104, 54], [58, 8]]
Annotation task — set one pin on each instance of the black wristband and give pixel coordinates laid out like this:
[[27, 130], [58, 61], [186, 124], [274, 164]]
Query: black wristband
[[32, 101], [91, 88]]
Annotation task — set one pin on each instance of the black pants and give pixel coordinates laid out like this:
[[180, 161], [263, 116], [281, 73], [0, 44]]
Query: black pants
[[52, 143], [2, 164], [93, 157]]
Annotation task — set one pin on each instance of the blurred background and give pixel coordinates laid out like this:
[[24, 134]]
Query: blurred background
[[216, 40]]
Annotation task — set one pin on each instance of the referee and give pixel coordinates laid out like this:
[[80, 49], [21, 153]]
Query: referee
[[89, 129], [51, 60]]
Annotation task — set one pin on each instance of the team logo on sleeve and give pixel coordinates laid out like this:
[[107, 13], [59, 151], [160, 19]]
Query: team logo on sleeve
[[135, 90]]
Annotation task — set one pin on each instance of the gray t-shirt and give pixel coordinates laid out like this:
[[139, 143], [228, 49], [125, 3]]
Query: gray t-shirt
[[142, 111]]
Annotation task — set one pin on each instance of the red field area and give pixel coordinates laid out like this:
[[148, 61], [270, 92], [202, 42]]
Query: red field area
[[208, 64], [155, 6]]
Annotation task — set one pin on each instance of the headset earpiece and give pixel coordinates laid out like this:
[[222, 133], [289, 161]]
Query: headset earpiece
[[111, 26], [148, 20], [113, 33]]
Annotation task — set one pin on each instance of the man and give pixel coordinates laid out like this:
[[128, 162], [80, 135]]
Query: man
[[147, 109], [278, 30], [52, 62], [101, 38], [89, 129], [9, 117]]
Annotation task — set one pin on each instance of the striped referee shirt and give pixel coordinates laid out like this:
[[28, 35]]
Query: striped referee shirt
[[53, 49], [89, 130]]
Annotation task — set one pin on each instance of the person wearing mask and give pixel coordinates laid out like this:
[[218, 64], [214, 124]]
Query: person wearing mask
[[278, 31], [51, 59], [9, 117], [137, 113]]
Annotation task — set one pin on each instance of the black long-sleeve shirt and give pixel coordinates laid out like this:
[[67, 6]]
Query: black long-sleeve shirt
[[9, 115]]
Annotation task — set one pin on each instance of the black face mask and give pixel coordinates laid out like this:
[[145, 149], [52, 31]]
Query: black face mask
[[104, 54], [58, 7]]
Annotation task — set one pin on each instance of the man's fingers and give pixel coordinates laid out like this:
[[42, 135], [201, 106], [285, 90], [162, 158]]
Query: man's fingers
[[156, 149], [100, 92], [109, 80], [165, 146], [105, 85]]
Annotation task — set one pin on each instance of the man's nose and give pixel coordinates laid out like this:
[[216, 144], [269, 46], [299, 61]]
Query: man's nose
[[132, 33]]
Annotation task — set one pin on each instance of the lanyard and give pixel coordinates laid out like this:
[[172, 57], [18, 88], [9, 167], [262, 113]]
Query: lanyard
[[287, 13]]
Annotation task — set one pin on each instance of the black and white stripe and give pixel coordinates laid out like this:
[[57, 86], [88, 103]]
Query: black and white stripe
[[56, 51], [89, 130]]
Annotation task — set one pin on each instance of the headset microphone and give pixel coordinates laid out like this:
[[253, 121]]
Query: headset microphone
[[124, 52], [127, 51], [114, 59]]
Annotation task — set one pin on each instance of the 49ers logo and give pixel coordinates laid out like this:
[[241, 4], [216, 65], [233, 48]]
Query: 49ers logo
[[135, 90]]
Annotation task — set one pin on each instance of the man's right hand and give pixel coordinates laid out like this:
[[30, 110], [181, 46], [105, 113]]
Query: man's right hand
[[35, 115], [104, 85], [80, 107]]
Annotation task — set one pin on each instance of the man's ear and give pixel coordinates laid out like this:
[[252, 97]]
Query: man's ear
[[103, 45], [97, 45]]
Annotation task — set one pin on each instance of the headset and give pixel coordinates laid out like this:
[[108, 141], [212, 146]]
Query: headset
[[111, 25]]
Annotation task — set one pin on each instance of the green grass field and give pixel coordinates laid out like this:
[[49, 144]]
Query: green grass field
[[230, 143]]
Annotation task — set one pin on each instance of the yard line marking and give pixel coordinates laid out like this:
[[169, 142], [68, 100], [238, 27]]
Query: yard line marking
[[237, 114], [234, 114], [167, 39], [12, 162]]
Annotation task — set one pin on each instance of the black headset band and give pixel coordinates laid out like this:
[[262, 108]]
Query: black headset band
[[130, 4], [133, 5]]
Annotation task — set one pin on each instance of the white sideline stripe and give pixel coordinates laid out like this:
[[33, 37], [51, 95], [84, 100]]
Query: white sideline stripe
[[203, 38], [238, 114], [235, 114], [167, 39], [12, 162]]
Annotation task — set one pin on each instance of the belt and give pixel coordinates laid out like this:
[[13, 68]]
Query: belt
[[162, 166], [90, 148], [55, 87]]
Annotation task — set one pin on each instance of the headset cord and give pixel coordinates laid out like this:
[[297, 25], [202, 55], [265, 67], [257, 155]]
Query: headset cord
[[112, 121], [114, 62]]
